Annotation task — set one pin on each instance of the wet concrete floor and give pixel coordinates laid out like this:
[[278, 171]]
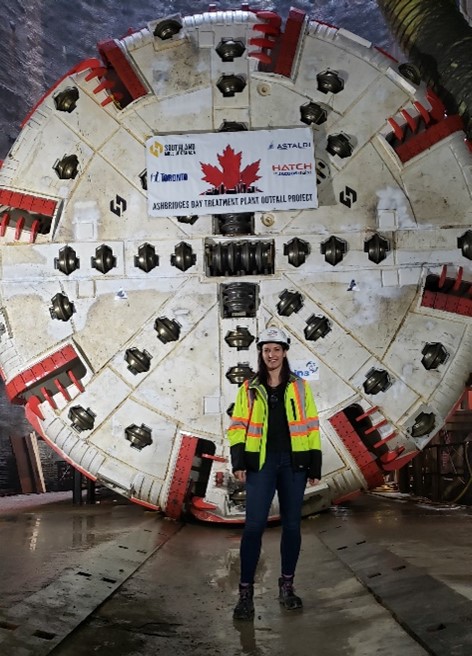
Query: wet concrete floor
[[180, 600]]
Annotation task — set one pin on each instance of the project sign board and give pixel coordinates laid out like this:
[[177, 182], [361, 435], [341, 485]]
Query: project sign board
[[225, 172]]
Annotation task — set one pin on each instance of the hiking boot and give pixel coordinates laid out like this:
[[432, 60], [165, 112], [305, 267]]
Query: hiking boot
[[287, 596], [244, 609]]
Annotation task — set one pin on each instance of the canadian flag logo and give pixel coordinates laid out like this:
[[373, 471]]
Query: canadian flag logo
[[230, 178]]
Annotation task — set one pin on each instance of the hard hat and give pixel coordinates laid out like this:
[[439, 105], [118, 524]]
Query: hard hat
[[275, 335]]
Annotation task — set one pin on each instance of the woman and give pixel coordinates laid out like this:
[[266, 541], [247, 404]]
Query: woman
[[275, 445]]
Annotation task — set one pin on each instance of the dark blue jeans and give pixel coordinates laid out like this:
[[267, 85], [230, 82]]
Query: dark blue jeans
[[276, 474]]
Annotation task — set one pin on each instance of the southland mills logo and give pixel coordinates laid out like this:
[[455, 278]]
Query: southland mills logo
[[171, 149], [156, 148]]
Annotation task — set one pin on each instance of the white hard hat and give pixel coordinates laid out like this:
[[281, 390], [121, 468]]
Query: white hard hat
[[275, 335]]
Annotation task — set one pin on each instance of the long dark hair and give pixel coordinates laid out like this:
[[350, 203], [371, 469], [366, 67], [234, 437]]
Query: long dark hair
[[262, 369]]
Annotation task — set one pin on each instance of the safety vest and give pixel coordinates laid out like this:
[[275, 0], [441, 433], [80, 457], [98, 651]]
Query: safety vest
[[250, 418]]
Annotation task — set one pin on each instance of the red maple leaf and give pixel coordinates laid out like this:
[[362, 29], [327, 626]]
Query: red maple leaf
[[231, 165], [213, 175], [230, 174], [249, 174]]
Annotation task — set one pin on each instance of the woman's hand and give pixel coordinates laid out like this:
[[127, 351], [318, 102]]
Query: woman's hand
[[313, 481], [240, 475]]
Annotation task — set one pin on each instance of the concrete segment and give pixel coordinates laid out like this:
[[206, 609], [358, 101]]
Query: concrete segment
[[35, 625], [435, 537], [439, 618], [180, 600]]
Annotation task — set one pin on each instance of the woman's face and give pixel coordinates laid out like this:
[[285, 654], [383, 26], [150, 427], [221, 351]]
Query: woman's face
[[273, 355]]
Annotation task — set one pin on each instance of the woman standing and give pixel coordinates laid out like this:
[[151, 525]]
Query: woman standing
[[275, 446]]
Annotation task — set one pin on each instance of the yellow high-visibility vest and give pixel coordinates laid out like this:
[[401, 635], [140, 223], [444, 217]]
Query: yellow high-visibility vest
[[250, 418]]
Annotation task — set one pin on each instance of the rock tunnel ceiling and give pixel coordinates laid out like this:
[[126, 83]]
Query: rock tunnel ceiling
[[125, 335]]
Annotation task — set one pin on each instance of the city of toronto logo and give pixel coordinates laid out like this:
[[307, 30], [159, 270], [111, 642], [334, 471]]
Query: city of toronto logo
[[229, 179]]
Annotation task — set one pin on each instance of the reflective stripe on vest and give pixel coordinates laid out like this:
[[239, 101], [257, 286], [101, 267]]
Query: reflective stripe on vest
[[255, 430], [299, 391], [237, 423]]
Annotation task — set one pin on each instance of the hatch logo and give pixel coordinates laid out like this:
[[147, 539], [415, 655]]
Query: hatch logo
[[296, 168], [230, 178], [156, 148], [348, 197], [118, 206]]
